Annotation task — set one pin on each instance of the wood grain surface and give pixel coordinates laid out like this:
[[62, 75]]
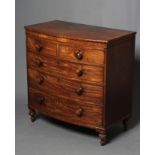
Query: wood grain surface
[[63, 87], [41, 46], [66, 109], [80, 74], [78, 31], [65, 69], [94, 57]]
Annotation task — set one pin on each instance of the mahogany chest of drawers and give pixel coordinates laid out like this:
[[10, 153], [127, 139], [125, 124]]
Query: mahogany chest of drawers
[[80, 74]]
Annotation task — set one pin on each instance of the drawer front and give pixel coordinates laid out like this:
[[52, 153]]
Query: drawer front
[[82, 56], [41, 46], [79, 91], [80, 72], [43, 64], [77, 72], [66, 110]]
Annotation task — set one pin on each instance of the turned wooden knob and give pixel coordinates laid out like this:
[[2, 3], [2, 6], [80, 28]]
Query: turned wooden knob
[[39, 63], [40, 99], [78, 54], [38, 47], [79, 91], [40, 80], [79, 112], [79, 71]]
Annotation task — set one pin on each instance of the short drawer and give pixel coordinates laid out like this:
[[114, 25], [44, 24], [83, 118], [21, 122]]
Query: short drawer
[[79, 91], [44, 64], [41, 46], [65, 109], [81, 55]]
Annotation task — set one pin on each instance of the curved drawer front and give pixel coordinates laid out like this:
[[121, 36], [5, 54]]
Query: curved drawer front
[[41, 46], [81, 72], [77, 72], [65, 109], [43, 63], [79, 91], [81, 55]]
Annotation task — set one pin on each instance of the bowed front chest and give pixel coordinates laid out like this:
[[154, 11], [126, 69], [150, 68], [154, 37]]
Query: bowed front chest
[[80, 74]]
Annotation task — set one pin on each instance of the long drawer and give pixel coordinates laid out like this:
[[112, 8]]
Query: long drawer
[[65, 109], [79, 91]]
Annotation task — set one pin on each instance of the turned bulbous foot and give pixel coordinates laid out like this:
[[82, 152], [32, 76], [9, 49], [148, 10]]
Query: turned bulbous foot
[[125, 123], [102, 136], [32, 114]]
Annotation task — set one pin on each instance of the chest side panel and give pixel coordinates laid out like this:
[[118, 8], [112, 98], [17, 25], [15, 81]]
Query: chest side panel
[[119, 75]]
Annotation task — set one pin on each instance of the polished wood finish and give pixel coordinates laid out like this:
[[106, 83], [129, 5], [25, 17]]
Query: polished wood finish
[[69, 70], [80, 74], [41, 46], [81, 56], [119, 74], [66, 109], [79, 31], [79, 91]]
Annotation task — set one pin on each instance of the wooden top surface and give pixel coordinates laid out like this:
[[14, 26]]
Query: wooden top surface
[[78, 31]]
